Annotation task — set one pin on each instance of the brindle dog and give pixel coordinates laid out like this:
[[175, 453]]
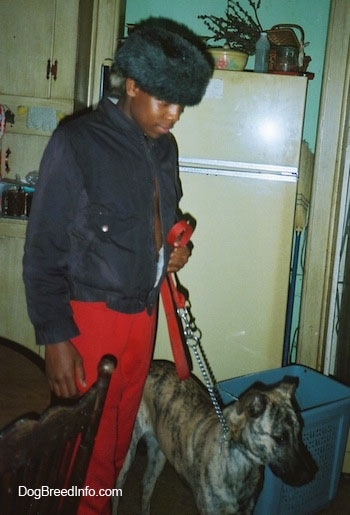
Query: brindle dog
[[178, 421]]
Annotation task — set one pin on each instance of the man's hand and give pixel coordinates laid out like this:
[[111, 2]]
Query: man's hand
[[64, 369], [178, 258]]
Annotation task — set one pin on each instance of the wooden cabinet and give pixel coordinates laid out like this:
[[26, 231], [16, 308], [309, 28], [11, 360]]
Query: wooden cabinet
[[35, 36], [14, 320]]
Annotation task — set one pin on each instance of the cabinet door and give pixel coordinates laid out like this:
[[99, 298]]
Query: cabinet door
[[31, 33], [64, 48], [14, 321]]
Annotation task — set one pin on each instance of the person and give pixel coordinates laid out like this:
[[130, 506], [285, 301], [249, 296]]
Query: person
[[96, 252]]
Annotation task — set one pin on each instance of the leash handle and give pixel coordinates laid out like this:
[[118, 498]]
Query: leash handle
[[180, 233], [173, 300]]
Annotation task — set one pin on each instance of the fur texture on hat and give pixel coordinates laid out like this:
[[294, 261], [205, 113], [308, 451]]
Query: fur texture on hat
[[167, 61]]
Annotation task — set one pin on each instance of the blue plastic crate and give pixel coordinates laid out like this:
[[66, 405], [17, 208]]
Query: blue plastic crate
[[325, 408]]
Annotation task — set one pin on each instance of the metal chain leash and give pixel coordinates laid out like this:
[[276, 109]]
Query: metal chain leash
[[192, 336]]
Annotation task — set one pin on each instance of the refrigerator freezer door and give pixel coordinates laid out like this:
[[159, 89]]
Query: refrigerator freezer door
[[238, 274], [245, 120]]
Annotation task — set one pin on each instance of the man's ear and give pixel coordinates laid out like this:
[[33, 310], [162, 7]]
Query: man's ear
[[131, 87]]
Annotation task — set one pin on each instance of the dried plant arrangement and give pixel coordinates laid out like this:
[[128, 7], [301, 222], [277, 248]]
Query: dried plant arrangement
[[239, 29]]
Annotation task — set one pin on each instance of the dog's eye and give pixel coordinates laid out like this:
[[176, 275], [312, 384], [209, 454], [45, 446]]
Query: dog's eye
[[281, 439]]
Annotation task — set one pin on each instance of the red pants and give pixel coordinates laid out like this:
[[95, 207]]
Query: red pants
[[131, 339]]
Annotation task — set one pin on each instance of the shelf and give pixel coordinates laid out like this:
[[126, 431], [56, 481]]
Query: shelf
[[30, 112]]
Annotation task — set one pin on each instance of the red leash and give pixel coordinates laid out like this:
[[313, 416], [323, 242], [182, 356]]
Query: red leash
[[173, 300]]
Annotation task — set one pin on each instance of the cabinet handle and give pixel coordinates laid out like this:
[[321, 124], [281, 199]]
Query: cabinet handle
[[51, 70], [48, 69]]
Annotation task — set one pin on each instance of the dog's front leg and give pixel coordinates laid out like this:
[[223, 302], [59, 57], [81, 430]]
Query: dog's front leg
[[155, 464]]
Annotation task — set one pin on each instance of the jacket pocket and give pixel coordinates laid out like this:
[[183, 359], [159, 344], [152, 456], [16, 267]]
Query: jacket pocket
[[114, 226]]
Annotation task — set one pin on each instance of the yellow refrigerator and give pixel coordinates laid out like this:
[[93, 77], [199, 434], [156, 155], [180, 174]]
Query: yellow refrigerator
[[239, 153]]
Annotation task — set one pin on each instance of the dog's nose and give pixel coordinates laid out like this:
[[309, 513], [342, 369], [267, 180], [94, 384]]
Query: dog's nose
[[301, 469], [308, 472]]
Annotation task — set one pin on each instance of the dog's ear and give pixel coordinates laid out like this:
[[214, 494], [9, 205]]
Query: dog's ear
[[253, 404], [288, 386]]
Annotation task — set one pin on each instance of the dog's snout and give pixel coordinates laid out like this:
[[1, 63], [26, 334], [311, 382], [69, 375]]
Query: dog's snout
[[299, 471], [308, 471]]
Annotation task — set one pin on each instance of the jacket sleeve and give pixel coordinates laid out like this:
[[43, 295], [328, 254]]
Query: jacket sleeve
[[47, 246]]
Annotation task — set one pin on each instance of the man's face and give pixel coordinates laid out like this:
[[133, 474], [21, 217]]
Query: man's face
[[155, 117]]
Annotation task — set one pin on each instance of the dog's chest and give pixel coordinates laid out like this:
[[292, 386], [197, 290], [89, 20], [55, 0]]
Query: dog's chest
[[228, 483]]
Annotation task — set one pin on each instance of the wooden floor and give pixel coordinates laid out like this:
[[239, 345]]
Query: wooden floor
[[27, 384]]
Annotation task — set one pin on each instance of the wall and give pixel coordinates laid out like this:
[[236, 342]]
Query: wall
[[313, 19], [322, 255]]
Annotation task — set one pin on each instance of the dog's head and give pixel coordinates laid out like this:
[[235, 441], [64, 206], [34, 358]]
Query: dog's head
[[267, 421]]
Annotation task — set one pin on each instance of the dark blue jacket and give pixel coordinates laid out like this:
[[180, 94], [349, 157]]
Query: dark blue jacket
[[90, 234]]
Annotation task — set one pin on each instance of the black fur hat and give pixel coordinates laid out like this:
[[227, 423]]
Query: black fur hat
[[167, 60]]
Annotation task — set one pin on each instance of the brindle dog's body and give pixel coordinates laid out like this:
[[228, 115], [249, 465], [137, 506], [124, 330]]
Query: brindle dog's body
[[178, 422]]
